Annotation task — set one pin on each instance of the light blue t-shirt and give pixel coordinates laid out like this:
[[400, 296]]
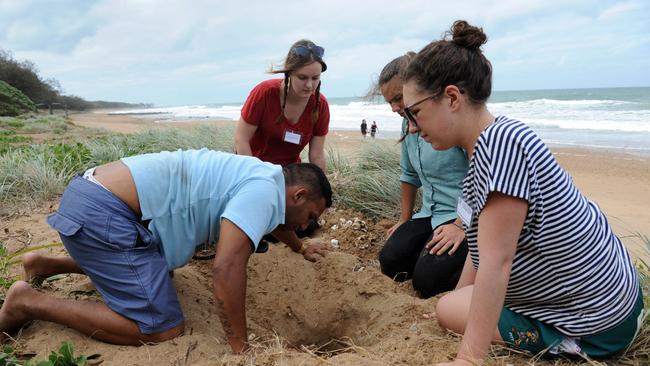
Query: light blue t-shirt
[[439, 173], [185, 194]]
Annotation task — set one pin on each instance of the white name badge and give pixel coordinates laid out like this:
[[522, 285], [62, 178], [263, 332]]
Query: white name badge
[[292, 137], [464, 212]]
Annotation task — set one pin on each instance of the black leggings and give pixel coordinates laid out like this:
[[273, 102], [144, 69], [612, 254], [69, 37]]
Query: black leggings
[[404, 257]]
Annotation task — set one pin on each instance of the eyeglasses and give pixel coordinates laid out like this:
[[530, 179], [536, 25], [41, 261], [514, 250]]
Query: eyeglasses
[[409, 115], [304, 51]]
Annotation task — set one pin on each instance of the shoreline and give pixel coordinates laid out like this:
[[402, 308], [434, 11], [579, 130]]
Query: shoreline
[[151, 118], [617, 181]]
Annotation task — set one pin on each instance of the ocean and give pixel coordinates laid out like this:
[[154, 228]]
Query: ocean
[[603, 118]]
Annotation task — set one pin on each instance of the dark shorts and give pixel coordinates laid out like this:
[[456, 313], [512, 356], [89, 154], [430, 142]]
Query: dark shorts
[[120, 256], [531, 335]]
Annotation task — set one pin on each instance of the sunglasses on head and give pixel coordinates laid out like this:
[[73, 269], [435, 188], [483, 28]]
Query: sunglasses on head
[[304, 51]]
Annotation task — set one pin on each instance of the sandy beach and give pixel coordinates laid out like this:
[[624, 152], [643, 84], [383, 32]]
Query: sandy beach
[[338, 311]]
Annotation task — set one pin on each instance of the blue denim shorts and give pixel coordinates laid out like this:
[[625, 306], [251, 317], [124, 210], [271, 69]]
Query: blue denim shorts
[[121, 257]]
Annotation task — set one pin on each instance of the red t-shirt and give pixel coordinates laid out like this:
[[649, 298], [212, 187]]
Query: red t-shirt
[[262, 109]]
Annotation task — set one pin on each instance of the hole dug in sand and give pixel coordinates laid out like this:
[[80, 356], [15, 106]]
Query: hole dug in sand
[[325, 306]]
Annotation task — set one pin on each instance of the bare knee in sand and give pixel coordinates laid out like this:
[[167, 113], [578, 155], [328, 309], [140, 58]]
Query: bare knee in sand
[[12, 314]]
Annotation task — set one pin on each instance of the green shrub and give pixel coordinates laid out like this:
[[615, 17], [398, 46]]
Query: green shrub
[[11, 122], [8, 358], [13, 102], [65, 357], [9, 139]]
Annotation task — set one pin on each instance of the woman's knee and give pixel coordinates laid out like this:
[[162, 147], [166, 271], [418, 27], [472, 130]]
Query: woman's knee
[[389, 261], [426, 286], [452, 309], [432, 276], [444, 310]]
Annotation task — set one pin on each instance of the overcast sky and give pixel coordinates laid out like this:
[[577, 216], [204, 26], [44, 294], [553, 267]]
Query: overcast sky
[[197, 51]]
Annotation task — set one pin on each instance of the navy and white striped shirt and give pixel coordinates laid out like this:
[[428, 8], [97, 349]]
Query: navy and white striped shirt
[[569, 270]]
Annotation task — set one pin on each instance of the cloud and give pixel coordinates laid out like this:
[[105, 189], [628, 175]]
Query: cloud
[[176, 52], [620, 10]]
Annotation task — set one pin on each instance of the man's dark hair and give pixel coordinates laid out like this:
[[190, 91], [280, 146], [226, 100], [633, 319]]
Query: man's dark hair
[[310, 175]]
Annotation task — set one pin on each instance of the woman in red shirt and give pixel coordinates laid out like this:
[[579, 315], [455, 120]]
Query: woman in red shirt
[[281, 116]]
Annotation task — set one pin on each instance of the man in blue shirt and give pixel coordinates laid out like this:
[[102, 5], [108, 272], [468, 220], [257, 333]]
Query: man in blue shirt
[[126, 224]]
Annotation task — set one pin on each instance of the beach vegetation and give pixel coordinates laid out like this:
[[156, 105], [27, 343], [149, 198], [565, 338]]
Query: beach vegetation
[[9, 139], [39, 172], [18, 132], [13, 102], [371, 185], [38, 123], [24, 77], [9, 260], [35, 123], [8, 357], [64, 356]]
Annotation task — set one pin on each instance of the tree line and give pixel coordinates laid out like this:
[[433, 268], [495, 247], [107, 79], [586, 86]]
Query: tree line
[[46, 92]]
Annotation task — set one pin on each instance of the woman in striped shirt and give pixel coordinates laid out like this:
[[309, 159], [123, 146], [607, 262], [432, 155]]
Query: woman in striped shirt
[[545, 272]]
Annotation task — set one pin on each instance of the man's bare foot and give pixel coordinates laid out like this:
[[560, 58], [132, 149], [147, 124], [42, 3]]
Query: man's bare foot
[[13, 314], [31, 265]]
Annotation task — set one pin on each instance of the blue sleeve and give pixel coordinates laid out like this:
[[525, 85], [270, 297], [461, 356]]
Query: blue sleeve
[[409, 175], [254, 209]]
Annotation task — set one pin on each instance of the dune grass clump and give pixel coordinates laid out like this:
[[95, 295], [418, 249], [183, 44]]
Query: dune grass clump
[[371, 185], [41, 172], [9, 139], [111, 148], [41, 123], [11, 123]]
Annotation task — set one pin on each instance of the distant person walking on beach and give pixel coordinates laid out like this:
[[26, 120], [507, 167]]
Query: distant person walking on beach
[[373, 129], [281, 116], [430, 246], [545, 272], [364, 128], [128, 223]]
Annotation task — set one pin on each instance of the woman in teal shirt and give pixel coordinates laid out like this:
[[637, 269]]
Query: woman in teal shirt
[[430, 246]]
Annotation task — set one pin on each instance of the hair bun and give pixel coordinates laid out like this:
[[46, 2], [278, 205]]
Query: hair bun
[[466, 35]]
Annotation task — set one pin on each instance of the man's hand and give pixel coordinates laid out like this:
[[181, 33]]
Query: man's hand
[[315, 250], [238, 345]]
